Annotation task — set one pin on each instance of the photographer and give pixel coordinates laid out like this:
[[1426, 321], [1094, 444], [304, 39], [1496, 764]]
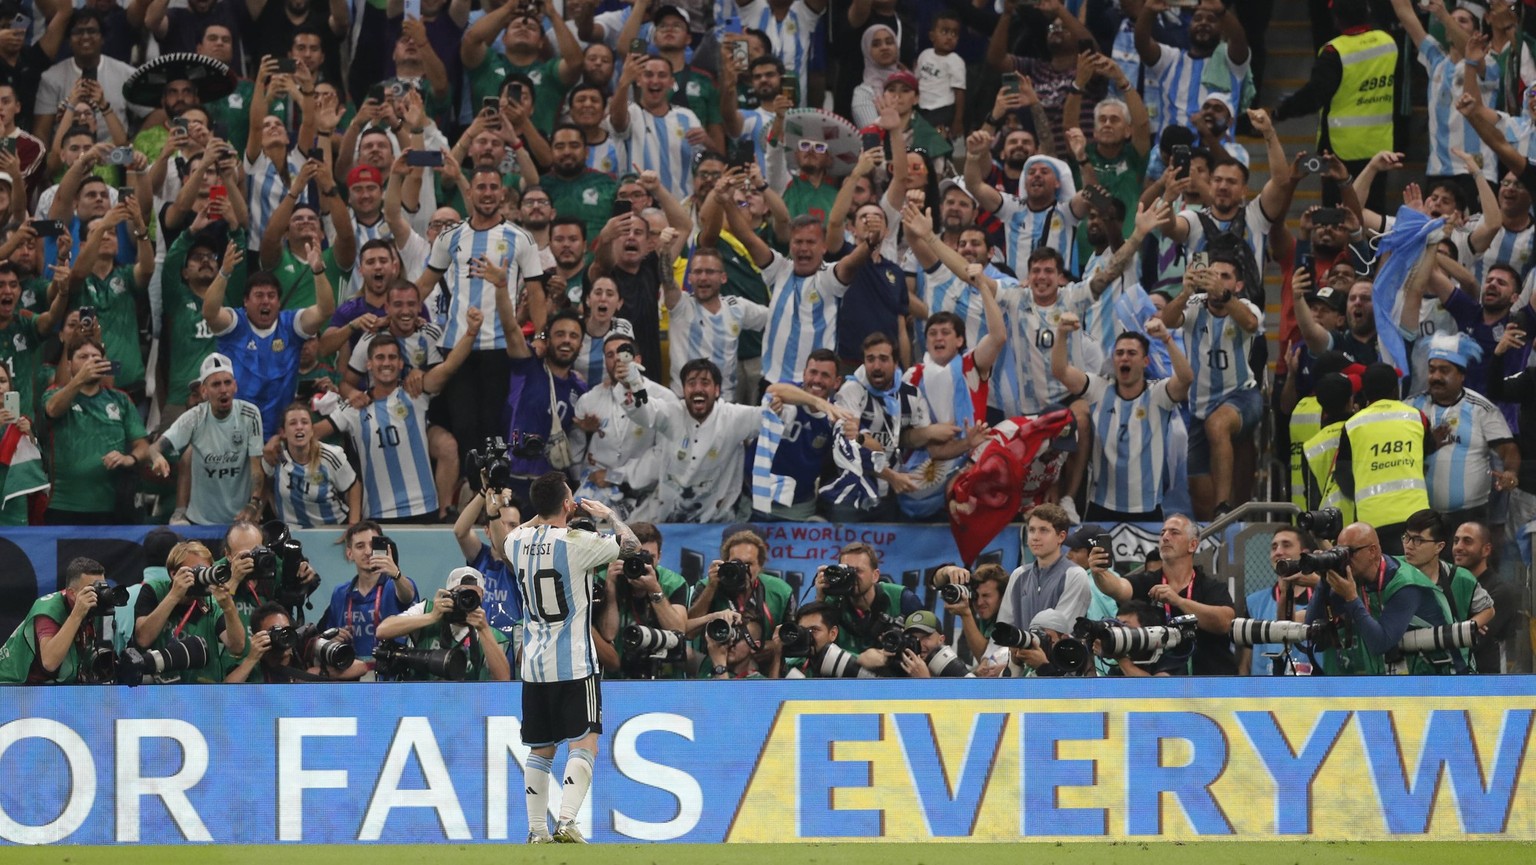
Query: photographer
[[1183, 589], [922, 630], [742, 586], [1372, 603], [865, 604], [1051, 581], [252, 586], [1424, 540], [1140, 614], [503, 600], [359, 606], [978, 612], [277, 652], [640, 592], [179, 607], [454, 617], [1033, 661], [56, 638], [733, 658], [1288, 599]]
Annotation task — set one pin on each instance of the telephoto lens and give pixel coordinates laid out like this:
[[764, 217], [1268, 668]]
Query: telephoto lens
[[722, 631], [954, 593], [211, 575], [1006, 635], [1458, 635], [396, 661], [649, 641]]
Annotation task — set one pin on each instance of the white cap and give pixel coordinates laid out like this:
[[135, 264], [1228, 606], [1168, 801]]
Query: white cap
[[459, 576], [621, 329], [214, 363], [7, 178]]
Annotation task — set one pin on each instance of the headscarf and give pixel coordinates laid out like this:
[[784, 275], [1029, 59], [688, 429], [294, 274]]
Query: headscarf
[[875, 75]]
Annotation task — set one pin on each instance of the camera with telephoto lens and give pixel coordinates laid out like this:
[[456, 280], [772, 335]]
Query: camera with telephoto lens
[[895, 639], [525, 446], [945, 664], [1259, 632], [1324, 523], [1116, 640], [207, 576], [839, 581], [492, 460], [724, 631], [1317, 562], [955, 593], [324, 649], [654, 642], [1439, 638], [108, 598], [1009, 637], [395, 661], [462, 601], [835, 662], [795, 641], [733, 576], [636, 562], [177, 655]]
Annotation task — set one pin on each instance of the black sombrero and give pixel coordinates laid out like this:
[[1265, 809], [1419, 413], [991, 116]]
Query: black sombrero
[[209, 77]]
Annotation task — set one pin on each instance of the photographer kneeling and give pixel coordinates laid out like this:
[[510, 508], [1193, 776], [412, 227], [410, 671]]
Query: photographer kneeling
[[281, 653], [56, 641], [923, 653], [643, 614], [454, 619], [732, 641], [1373, 600]]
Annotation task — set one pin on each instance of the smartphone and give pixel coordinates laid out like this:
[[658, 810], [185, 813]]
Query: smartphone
[[1199, 260], [48, 227], [88, 74], [639, 46], [869, 140], [413, 9], [114, 367], [8, 145], [491, 104], [1305, 264], [217, 193], [120, 156], [124, 192], [218, 129], [1180, 160], [13, 403], [1102, 542], [741, 54], [287, 65], [1086, 45], [1328, 216], [179, 124], [20, 22], [380, 546], [515, 91], [1012, 82], [622, 206], [789, 85], [1099, 200], [376, 92], [424, 159], [87, 316]]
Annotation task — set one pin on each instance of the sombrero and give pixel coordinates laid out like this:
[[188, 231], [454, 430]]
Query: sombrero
[[209, 77]]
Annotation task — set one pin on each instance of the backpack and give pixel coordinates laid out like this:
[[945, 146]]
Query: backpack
[[1233, 243]]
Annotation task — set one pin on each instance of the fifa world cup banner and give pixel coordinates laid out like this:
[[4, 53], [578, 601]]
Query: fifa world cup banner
[[992, 760]]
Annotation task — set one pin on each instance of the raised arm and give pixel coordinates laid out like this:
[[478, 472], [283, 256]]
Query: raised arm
[[1317, 337], [312, 319], [978, 157], [1072, 378], [1484, 120], [218, 317], [998, 58], [1146, 45], [1274, 198], [1147, 220], [568, 49], [1410, 21], [437, 377], [478, 38]]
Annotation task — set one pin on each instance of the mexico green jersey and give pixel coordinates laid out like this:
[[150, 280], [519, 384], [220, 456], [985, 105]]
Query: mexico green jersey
[[803, 197], [21, 352], [116, 298], [486, 79], [588, 196], [91, 427], [188, 339], [298, 282]]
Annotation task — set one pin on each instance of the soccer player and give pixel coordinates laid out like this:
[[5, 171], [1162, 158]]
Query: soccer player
[[561, 701]]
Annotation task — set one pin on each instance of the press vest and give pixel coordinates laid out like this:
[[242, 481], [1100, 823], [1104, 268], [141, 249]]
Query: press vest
[[1306, 420], [1386, 440], [1360, 114], [18, 653], [1322, 452]]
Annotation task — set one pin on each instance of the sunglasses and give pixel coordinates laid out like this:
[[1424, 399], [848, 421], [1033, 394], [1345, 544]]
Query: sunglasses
[[813, 147]]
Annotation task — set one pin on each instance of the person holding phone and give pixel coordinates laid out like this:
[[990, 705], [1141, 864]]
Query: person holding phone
[[670, 37], [522, 36], [117, 292], [96, 433], [106, 75], [377, 591], [17, 438], [662, 137], [22, 333]]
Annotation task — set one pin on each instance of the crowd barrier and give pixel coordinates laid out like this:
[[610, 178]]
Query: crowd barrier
[[993, 760]]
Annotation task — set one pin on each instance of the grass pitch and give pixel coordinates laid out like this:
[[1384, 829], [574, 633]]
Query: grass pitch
[[1087, 853]]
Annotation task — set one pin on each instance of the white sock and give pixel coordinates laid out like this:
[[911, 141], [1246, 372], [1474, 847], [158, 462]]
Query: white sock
[[578, 778], [536, 786]]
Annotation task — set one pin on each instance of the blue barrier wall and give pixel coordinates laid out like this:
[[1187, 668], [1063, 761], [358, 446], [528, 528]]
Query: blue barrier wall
[[1383, 758]]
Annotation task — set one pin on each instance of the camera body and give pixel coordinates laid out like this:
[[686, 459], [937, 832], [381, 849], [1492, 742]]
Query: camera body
[[1316, 562], [462, 601], [839, 581], [205, 577], [635, 564], [1324, 523], [108, 598], [734, 576], [795, 641], [491, 459], [526, 446], [287, 557]]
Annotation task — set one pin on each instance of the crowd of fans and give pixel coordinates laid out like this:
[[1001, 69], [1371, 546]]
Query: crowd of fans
[[775, 260]]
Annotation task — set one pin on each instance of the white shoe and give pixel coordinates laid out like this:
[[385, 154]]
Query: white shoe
[[540, 838], [1071, 508], [567, 833]]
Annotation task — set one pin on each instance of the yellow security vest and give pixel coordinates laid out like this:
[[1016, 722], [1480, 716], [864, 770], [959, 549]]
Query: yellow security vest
[[1360, 115], [1386, 443], [1306, 420], [1321, 451]]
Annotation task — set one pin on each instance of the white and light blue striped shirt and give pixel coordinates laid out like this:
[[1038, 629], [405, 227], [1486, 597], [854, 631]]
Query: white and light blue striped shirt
[[1514, 248], [944, 291], [695, 332], [265, 188], [1457, 473], [390, 437], [502, 243], [802, 317], [660, 144], [791, 38], [1055, 227], [1022, 381], [553, 568], [1448, 129], [309, 497], [610, 157], [1181, 88], [1130, 445], [1218, 353]]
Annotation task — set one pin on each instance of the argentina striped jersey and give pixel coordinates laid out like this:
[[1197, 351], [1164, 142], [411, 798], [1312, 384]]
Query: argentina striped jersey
[[1130, 444], [390, 437], [1218, 353], [802, 317], [660, 144], [553, 569], [312, 496], [502, 243]]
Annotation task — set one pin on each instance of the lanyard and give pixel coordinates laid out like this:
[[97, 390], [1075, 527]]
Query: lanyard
[[378, 595], [1189, 595], [184, 617]]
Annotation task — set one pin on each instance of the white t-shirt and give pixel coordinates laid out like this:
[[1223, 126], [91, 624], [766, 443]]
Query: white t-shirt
[[938, 77], [221, 458]]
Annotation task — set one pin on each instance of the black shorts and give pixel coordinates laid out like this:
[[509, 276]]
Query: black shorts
[[555, 712]]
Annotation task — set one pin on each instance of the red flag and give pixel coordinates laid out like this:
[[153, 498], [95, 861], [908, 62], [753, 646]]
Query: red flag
[[1009, 472]]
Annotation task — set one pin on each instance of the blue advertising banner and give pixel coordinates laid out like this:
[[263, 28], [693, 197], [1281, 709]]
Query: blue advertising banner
[[995, 760]]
